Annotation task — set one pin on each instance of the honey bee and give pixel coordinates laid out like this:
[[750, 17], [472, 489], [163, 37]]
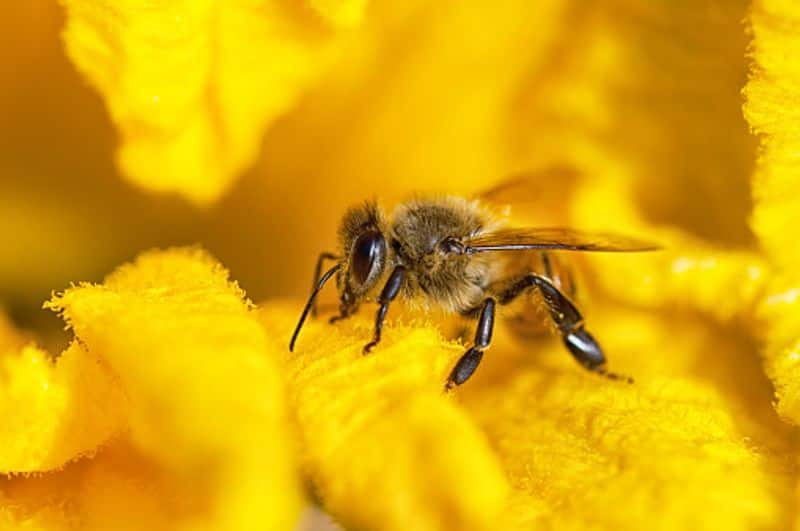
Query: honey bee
[[453, 253]]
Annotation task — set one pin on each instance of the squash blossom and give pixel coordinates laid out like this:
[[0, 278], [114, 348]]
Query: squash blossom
[[176, 404]]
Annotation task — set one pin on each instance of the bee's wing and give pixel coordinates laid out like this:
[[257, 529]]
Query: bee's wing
[[556, 238], [543, 186]]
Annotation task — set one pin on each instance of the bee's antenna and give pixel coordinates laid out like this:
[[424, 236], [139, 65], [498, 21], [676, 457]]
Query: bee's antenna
[[310, 303]]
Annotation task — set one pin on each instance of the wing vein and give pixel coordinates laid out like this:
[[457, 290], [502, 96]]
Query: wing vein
[[554, 238]]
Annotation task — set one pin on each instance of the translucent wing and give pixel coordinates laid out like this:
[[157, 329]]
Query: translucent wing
[[517, 239], [542, 186]]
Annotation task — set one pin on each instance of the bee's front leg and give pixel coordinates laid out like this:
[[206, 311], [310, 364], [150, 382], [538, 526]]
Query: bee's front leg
[[472, 358], [389, 293], [345, 311]]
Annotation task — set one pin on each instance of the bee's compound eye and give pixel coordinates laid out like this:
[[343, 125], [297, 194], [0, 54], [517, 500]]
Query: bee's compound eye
[[367, 252]]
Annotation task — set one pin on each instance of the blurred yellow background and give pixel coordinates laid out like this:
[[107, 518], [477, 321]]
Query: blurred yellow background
[[446, 96]]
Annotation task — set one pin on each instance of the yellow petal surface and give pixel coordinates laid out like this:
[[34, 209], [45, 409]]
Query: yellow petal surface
[[384, 447], [208, 446], [671, 451], [341, 13], [55, 412], [773, 110], [117, 489], [694, 432], [687, 272], [192, 85]]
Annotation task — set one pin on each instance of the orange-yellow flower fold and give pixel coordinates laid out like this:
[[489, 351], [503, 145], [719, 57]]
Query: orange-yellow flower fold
[[192, 85], [687, 272]]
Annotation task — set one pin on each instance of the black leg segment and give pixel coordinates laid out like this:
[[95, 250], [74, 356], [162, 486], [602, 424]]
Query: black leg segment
[[390, 291], [464, 368], [584, 348], [345, 311], [483, 337], [569, 322]]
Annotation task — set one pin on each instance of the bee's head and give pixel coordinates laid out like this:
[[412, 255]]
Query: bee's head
[[364, 252], [362, 263]]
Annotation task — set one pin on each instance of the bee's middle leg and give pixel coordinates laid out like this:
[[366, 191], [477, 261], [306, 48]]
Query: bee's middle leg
[[345, 311], [568, 320], [467, 364], [388, 294]]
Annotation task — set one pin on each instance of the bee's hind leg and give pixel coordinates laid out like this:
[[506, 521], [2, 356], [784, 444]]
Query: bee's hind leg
[[569, 322], [467, 364]]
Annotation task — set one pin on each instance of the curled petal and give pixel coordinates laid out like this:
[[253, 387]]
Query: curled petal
[[55, 412], [193, 84], [206, 404]]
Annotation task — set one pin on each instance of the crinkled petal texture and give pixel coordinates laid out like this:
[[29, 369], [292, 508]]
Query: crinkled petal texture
[[193, 84], [169, 385], [773, 110], [383, 445], [386, 449], [668, 452], [55, 412]]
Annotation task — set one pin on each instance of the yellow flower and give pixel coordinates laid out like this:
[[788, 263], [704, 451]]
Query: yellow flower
[[578, 451], [192, 85], [167, 383], [177, 405]]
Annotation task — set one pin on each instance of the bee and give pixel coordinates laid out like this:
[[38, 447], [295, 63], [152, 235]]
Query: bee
[[453, 253]]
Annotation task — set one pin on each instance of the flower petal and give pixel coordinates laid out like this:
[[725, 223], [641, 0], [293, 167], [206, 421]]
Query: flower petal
[[206, 403], [55, 412], [688, 437], [340, 13], [192, 85], [383, 445], [686, 273], [773, 111], [117, 489]]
